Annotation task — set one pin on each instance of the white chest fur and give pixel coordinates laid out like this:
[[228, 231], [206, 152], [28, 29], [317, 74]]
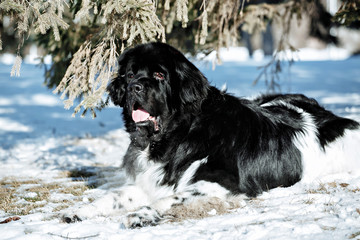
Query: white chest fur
[[150, 176]]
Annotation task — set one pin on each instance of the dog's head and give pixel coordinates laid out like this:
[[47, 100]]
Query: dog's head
[[156, 82]]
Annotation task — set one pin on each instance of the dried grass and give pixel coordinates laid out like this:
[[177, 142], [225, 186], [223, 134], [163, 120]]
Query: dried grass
[[330, 187], [202, 208], [24, 196]]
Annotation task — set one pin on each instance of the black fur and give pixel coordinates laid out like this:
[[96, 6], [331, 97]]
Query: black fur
[[248, 144]]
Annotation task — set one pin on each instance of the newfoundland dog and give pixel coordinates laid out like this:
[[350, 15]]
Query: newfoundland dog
[[190, 140]]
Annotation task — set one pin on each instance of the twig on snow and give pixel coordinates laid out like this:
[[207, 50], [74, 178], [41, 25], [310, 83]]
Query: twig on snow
[[66, 237]]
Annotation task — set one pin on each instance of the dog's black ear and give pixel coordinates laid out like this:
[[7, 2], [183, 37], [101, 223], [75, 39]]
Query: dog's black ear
[[117, 91], [118, 85], [191, 85]]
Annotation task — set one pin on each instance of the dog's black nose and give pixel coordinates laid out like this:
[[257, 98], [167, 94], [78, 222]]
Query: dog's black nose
[[136, 87]]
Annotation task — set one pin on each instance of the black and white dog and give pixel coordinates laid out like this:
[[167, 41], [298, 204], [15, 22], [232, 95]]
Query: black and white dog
[[190, 140]]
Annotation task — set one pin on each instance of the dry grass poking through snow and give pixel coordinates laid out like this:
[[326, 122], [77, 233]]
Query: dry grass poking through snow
[[330, 187], [19, 196], [203, 208]]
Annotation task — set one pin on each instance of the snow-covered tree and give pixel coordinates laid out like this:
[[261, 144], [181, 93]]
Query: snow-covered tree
[[85, 37]]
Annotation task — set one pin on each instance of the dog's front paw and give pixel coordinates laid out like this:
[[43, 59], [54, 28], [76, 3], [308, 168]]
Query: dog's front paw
[[70, 219], [145, 216]]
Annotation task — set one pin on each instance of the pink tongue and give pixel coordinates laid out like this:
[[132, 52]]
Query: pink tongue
[[140, 115]]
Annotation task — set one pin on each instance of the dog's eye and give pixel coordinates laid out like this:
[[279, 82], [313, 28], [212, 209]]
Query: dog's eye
[[159, 76], [130, 75]]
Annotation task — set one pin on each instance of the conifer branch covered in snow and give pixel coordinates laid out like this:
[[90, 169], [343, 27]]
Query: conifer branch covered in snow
[[116, 23], [88, 74], [93, 65], [15, 70], [38, 15]]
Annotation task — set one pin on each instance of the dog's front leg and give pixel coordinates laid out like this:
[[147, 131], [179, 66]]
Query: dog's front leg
[[126, 199], [153, 214], [158, 211]]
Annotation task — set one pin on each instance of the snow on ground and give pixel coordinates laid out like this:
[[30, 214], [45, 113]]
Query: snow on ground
[[40, 143]]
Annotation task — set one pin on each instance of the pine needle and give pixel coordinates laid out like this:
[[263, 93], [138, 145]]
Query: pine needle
[[15, 70]]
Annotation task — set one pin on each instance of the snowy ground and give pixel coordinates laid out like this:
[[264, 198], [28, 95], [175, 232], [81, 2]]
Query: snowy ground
[[44, 153]]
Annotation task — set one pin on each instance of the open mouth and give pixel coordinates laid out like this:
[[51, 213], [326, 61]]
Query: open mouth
[[140, 115]]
